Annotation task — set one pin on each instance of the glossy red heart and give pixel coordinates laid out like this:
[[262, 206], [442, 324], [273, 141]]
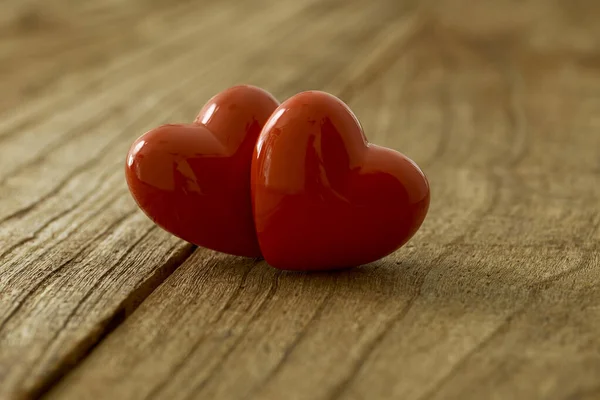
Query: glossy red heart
[[194, 180], [323, 197]]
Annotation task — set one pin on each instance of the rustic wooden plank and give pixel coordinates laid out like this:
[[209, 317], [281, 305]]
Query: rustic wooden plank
[[77, 256], [83, 36], [496, 297]]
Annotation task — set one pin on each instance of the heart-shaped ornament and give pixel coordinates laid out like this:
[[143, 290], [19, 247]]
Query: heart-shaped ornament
[[194, 180], [323, 197]]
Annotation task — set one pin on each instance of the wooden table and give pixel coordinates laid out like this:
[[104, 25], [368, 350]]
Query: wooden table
[[497, 296]]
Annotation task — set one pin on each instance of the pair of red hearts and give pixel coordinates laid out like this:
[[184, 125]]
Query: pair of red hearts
[[296, 183]]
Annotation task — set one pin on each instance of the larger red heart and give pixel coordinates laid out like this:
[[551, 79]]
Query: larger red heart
[[194, 180], [323, 197]]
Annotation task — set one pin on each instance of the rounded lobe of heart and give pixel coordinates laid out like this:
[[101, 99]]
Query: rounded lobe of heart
[[323, 197], [193, 180]]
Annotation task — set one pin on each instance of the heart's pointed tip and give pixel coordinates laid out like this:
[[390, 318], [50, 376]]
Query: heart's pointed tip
[[247, 254], [308, 269], [311, 263]]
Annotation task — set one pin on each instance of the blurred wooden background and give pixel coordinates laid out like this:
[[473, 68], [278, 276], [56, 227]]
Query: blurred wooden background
[[497, 297]]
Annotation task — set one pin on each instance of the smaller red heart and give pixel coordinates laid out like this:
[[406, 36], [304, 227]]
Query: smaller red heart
[[194, 180], [323, 197]]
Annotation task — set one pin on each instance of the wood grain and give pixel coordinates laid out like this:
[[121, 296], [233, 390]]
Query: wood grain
[[496, 297]]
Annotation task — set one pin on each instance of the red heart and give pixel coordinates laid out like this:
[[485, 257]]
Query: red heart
[[323, 197], [194, 180]]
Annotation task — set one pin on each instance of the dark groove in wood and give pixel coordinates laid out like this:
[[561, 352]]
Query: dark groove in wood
[[99, 211], [105, 328], [496, 102], [103, 233], [90, 291], [161, 385]]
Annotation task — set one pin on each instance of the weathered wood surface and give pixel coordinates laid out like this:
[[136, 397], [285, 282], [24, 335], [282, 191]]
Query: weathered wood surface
[[498, 295]]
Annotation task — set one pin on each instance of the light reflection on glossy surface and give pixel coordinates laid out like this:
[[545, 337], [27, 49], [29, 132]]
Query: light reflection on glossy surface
[[323, 198], [193, 180]]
